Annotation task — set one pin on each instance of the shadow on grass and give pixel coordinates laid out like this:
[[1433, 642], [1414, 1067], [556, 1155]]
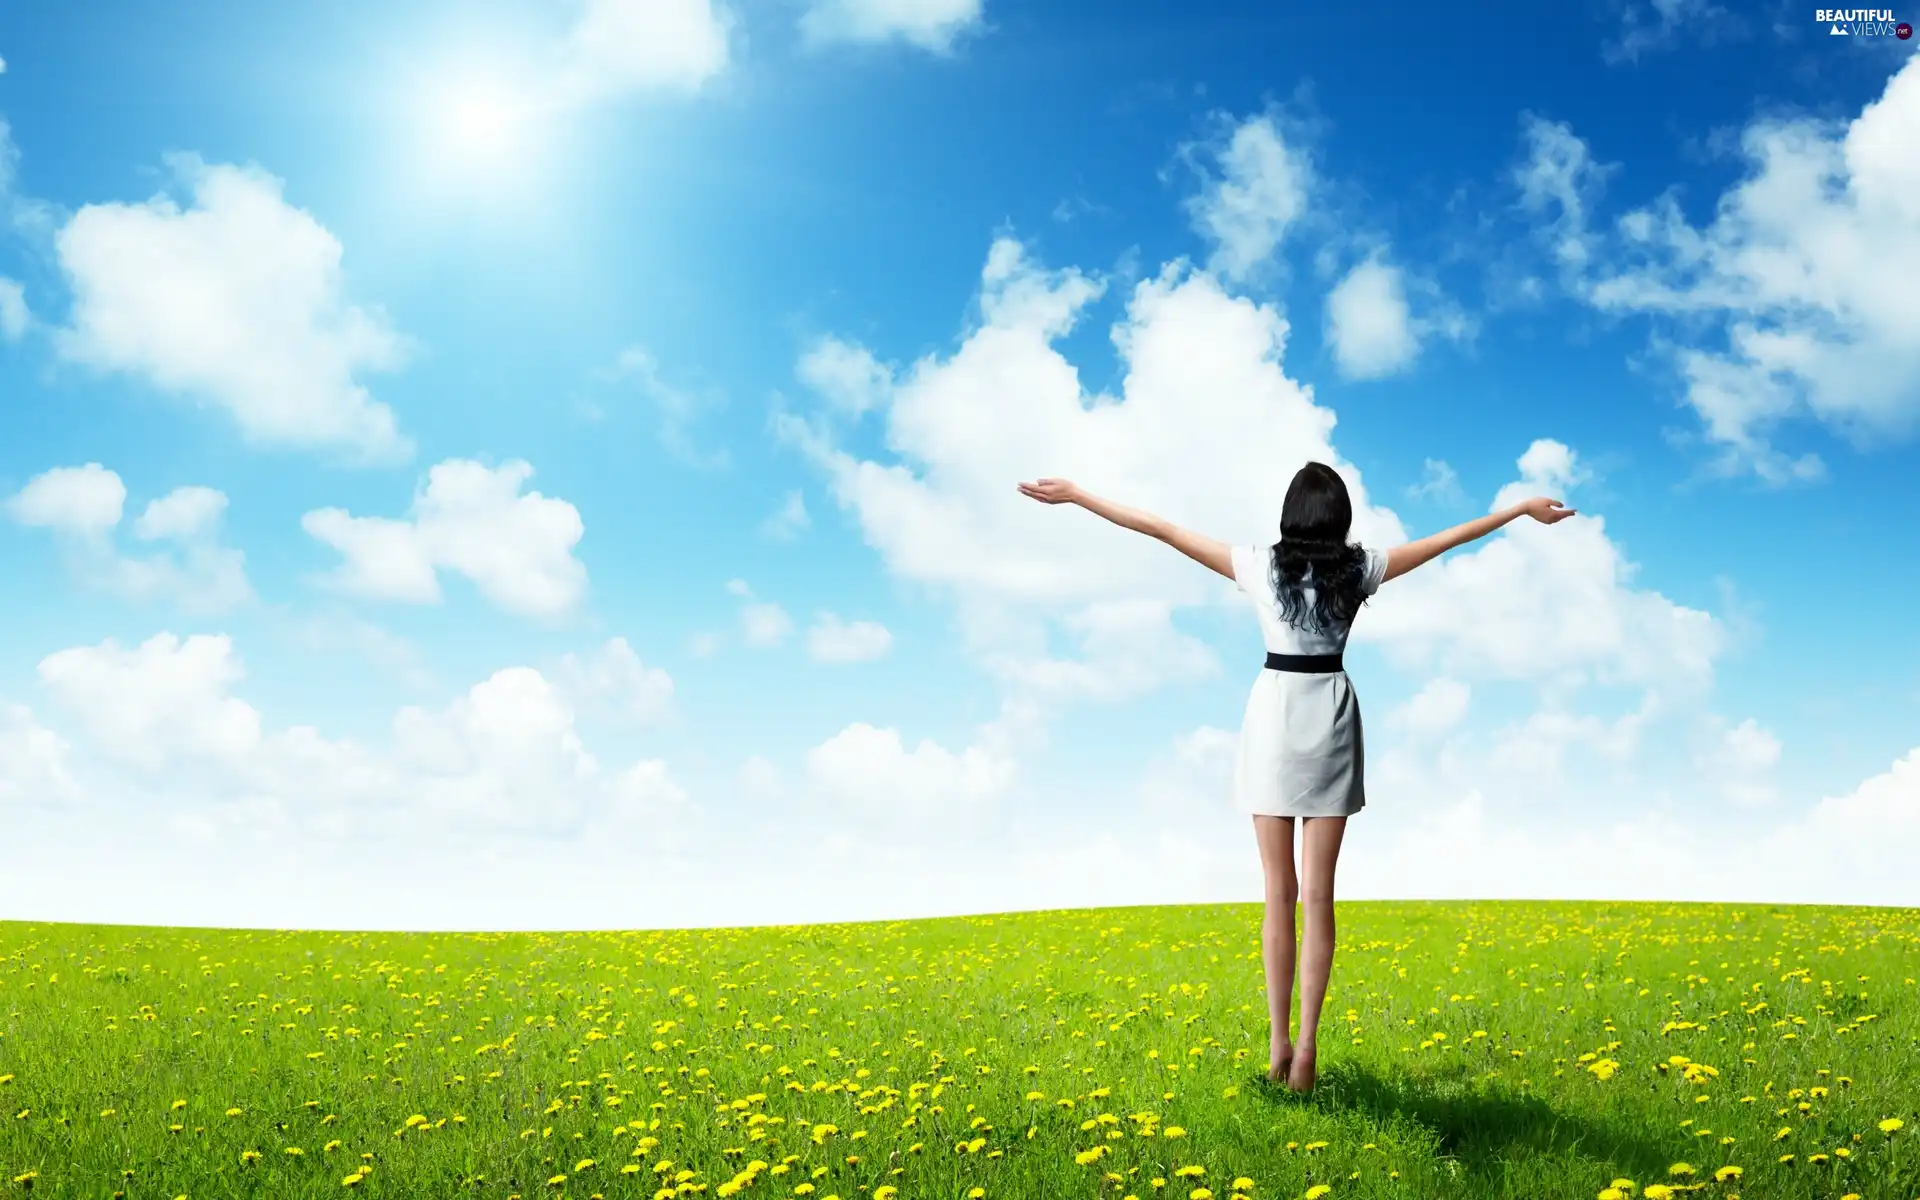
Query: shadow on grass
[[1489, 1129]]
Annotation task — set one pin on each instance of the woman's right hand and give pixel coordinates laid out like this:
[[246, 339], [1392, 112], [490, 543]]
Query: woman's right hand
[[1545, 510]]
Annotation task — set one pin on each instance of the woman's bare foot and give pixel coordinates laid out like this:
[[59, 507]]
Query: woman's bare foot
[[1300, 1073], [1277, 1068]]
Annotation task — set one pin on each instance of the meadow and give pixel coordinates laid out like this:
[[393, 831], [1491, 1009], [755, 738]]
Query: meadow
[[1470, 1050]]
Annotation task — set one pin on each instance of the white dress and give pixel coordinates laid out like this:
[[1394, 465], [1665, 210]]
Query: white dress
[[1301, 752]]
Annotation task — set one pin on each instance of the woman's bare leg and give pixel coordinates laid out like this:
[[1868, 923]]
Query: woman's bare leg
[[1275, 838], [1319, 852]]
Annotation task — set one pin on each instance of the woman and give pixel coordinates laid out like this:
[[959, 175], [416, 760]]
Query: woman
[[1300, 753]]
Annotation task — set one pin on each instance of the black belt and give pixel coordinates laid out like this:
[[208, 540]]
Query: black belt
[[1305, 664]]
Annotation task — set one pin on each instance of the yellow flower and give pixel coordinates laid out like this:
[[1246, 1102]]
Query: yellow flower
[[1727, 1172], [885, 1191], [556, 1181], [582, 1165], [177, 1104], [1243, 1184], [1680, 1168], [233, 1112], [1891, 1124], [1657, 1191], [351, 1181], [1317, 1190], [1173, 1131]]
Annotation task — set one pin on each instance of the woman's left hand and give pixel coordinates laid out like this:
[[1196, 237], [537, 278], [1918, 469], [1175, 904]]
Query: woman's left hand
[[1051, 491]]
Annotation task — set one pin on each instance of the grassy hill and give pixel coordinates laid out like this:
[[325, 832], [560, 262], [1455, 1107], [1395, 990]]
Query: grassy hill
[[1469, 1050]]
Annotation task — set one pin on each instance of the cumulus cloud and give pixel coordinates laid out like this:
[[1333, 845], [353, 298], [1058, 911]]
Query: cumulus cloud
[[33, 762], [1791, 302], [617, 46], [832, 640], [1256, 188], [873, 772], [237, 302], [1439, 706], [503, 756], [614, 680], [472, 520], [929, 24], [1369, 324], [1545, 604], [83, 501], [846, 375], [83, 506], [1373, 326]]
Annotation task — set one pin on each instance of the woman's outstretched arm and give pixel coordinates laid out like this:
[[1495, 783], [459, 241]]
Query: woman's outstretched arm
[[1402, 559], [1200, 548]]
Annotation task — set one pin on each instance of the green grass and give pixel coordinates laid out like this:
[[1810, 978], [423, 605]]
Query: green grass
[[1469, 1050]]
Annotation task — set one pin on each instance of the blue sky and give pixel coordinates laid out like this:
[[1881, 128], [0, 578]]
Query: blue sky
[[580, 442]]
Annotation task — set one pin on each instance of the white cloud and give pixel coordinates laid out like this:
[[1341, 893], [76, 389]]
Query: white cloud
[[162, 700], [1439, 482], [1195, 781], [473, 520], [1791, 302], [1552, 605], [1260, 191], [846, 375], [1369, 324], [503, 756], [832, 640], [83, 506], [1438, 707], [1807, 268], [1740, 759], [872, 771], [762, 623], [930, 24], [33, 762], [765, 624], [759, 780], [789, 521], [614, 678], [630, 45], [237, 302], [1559, 183], [182, 514], [1658, 24], [15, 318], [82, 501], [676, 407]]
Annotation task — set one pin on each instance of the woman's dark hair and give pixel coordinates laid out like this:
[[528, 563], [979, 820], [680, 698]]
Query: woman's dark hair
[[1313, 551]]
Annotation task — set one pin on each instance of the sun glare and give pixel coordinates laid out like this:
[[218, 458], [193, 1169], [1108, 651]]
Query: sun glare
[[475, 125]]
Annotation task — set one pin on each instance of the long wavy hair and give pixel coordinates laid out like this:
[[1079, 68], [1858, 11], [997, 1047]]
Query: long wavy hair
[[1313, 551]]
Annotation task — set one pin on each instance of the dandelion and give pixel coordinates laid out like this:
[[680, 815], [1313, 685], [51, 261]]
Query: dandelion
[[1892, 1124], [1317, 1190], [233, 1112], [1727, 1172]]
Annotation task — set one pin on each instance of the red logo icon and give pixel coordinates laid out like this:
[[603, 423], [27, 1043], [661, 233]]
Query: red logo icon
[[1903, 31]]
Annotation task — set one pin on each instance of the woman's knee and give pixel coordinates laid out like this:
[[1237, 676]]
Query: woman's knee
[[1317, 893], [1282, 896]]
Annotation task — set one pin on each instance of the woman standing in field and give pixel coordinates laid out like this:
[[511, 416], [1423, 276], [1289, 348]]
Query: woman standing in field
[[1300, 750]]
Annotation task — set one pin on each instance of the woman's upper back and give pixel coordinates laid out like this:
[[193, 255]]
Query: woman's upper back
[[1253, 574]]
